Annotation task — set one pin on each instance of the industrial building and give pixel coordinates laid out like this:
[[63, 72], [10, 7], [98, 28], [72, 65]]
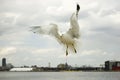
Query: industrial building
[[21, 69], [4, 62], [112, 65], [5, 66]]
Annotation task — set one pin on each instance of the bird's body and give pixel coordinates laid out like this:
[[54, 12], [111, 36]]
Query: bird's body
[[69, 38]]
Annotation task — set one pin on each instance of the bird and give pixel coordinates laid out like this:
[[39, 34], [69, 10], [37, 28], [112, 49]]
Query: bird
[[67, 39]]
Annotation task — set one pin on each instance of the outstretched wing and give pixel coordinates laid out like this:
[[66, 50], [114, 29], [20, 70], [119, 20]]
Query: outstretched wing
[[54, 31], [37, 29], [74, 26], [51, 29]]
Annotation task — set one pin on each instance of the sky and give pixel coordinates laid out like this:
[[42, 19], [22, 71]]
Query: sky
[[99, 22]]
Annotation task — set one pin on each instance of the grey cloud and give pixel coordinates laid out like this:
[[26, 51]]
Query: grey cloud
[[108, 30], [98, 30]]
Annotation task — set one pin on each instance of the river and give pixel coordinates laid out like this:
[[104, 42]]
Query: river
[[59, 75]]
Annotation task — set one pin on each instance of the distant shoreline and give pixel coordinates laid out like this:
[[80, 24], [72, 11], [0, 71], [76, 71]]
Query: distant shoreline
[[59, 71]]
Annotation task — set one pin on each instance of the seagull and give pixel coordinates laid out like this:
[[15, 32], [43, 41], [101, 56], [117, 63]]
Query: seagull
[[67, 39]]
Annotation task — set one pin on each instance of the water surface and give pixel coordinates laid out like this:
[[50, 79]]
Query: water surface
[[59, 75]]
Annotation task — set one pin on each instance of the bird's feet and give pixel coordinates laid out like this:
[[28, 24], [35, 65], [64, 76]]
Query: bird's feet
[[75, 50], [66, 52]]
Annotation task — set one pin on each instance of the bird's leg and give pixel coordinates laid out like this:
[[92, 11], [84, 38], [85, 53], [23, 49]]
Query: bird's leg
[[74, 48], [67, 50]]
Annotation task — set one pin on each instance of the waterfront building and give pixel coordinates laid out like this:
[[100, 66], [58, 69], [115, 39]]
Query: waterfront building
[[21, 69], [4, 62], [112, 65], [64, 66]]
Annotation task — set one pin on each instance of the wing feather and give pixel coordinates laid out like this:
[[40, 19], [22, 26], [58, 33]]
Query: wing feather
[[51, 29], [74, 27]]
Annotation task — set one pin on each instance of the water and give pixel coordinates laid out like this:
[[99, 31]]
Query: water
[[59, 75]]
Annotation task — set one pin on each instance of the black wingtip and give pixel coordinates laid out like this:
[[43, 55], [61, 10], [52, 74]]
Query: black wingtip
[[78, 7]]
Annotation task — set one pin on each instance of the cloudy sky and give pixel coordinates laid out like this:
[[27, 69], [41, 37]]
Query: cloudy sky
[[99, 22]]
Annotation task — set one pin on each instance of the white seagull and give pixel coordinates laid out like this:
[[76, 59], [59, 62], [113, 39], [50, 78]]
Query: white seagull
[[69, 38]]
